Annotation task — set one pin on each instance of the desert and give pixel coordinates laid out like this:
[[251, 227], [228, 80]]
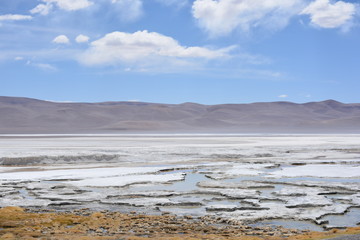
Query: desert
[[179, 119], [307, 183]]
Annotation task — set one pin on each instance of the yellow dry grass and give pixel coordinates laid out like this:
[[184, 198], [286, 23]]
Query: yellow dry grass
[[16, 223]]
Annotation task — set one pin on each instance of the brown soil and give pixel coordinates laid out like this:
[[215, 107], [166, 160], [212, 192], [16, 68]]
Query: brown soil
[[17, 223]]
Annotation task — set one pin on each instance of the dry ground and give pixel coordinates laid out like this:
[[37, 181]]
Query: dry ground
[[17, 223]]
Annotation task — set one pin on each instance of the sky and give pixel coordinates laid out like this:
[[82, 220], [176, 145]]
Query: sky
[[176, 51]]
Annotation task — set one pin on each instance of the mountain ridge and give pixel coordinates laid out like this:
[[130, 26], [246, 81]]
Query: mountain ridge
[[20, 115]]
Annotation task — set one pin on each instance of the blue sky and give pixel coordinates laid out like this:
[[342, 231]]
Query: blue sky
[[174, 51]]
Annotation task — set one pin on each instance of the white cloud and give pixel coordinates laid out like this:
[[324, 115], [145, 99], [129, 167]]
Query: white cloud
[[14, 17], [71, 5], [327, 15], [121, 47], [82, 38], [61, 39], [42, 66], [283, 96], [129, 10], [67, 5], [221, 17], [42, 9], [45, 66]]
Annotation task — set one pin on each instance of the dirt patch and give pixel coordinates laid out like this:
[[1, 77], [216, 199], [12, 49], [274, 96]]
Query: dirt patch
[[18, 223]]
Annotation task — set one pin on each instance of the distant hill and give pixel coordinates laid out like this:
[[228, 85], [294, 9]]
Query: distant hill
[[25, 115]]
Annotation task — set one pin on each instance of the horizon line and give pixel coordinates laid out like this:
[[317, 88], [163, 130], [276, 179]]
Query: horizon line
[[139, 102]]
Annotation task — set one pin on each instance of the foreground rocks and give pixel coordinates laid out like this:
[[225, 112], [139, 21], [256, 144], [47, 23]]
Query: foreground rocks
[[18, 223]]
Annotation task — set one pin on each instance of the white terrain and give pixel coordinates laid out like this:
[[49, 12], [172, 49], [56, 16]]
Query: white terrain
[[309, 181]]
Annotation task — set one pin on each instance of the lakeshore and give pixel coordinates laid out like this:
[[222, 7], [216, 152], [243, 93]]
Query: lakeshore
[[17, 223], [308, 183]]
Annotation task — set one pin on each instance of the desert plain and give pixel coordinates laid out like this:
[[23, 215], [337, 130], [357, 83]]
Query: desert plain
[[300, 182]]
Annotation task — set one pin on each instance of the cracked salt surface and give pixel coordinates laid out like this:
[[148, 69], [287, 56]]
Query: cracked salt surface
[[324, 171], [305, 181], [122, 181], [75, 174]]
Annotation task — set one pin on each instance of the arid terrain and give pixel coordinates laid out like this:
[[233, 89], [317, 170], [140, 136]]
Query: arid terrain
[[16, 223], [25, 115], [248, 182], [179, 120]]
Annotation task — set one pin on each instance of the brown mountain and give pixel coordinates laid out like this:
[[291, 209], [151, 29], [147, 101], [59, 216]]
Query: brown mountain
[[25, 115]]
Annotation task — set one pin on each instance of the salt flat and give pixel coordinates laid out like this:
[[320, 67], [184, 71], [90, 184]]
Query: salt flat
[[243, 178]]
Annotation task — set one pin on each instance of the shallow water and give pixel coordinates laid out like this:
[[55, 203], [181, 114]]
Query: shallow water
[[303, 225], [189, 184], [349, 219], [196, 156], [25, 194]]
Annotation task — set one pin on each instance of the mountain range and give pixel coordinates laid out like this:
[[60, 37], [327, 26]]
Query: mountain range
[[32, 116]]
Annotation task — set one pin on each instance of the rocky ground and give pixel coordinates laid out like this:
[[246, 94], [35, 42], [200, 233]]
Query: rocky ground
[[18, 223]]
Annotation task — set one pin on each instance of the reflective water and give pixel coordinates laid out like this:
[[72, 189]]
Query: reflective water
[[303, 225], [350, 219], [193, 177]]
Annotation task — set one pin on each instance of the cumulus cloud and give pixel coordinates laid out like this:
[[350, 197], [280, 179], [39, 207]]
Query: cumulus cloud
[[283, 96], [121, 47], [325, 14], [128, 10], [221, 17], [82, 38], [14, 17], [61, 39], [67, 5]]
